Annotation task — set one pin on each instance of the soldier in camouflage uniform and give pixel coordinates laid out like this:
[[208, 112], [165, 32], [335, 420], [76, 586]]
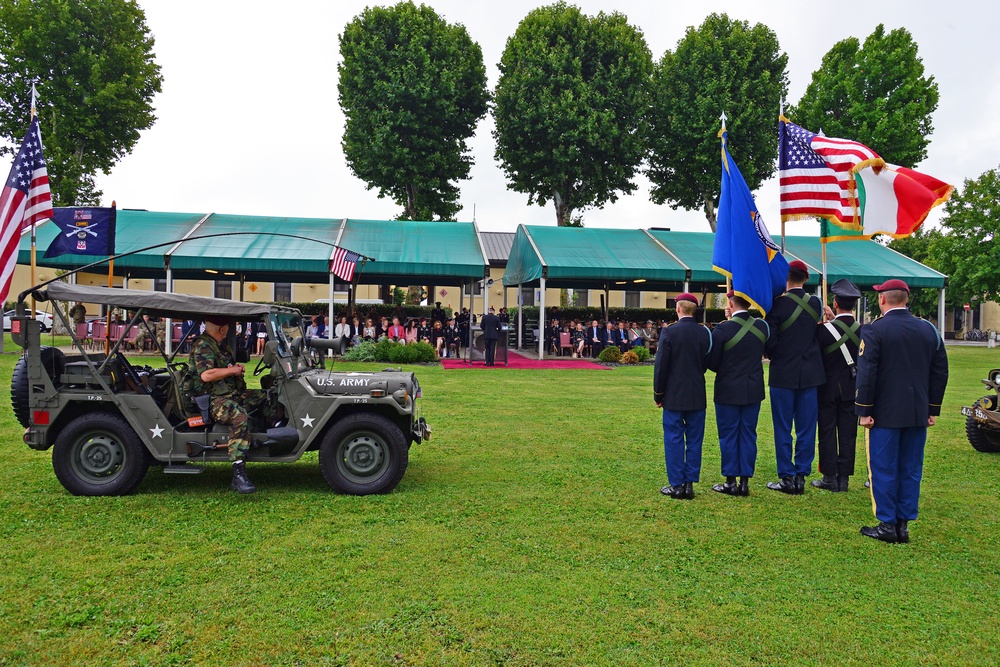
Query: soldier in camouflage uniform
[[144, 338], [215, 373], [161, 333]]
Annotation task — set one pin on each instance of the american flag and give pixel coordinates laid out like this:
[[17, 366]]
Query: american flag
[[343, 262], [25, 201], [816, 175]]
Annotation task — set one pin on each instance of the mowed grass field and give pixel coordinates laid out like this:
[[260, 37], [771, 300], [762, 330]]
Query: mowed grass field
[[529, 531]]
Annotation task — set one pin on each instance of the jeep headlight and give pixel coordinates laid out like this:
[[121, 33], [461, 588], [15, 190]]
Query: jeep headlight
[[995, 376]]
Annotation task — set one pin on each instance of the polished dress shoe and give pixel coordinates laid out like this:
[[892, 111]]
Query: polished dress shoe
[[730, 488], [800, 484], [689, 491], [886, 532], [828, 483], [744, 488], [842, 483], [675, 492], [903, 531], [786, 485]]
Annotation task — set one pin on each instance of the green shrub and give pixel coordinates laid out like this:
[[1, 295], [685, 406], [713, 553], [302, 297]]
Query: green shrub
[[403, 354], [610, 354], [382, 348], [425, 351], [630, 357], [641, 353], [366, 350]]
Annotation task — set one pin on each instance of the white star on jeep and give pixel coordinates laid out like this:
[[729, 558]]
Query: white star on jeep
[[157, 431], [307, 421]]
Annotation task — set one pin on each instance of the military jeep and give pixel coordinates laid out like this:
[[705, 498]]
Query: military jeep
[[982, 420], [108, 420]]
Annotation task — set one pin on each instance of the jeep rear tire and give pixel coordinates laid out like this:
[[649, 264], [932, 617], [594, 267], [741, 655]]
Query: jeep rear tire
[[983, 440], [53, 361], [363, 454], [98, 454]]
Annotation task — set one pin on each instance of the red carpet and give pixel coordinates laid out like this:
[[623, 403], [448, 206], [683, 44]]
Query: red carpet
[[516, 360]]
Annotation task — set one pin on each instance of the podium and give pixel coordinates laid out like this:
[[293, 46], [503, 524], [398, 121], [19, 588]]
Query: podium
[[475, 350]]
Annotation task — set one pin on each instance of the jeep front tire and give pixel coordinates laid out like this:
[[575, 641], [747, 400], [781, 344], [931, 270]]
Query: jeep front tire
[[363, 454], [98, 454]]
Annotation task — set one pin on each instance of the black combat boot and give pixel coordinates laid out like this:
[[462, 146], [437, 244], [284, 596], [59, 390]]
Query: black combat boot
[[241, 483], [688, 491], [884, 531], [786, 485], [730, 488], [842, 481], [828, 483], [744, 487], [903, 531]]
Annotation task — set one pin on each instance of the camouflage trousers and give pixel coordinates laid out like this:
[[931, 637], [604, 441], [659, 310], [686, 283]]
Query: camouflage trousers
[[234, 410]]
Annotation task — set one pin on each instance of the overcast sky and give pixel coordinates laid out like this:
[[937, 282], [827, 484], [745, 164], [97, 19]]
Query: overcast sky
[[248, 120]]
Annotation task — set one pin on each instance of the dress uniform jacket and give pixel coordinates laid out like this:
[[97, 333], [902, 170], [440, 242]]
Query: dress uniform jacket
[[681, 361], [840, 375], [739, 371], [794, 353], [893, 384]]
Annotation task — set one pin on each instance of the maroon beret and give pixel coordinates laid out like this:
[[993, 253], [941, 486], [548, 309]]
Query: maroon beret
[[686, 296], [219, 320], [800, 265], [895, 283], [730, 294]]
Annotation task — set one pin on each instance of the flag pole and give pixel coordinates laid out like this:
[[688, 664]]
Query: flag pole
[[111, 283], [823, 245], [781, 114]]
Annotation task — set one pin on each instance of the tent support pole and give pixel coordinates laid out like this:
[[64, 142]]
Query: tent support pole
[[520, 315], [243, 282], [541, 320], [329, 310], [168, 342], [941, 312]]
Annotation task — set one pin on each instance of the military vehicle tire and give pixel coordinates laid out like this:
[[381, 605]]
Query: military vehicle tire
[[363, 454], [983, 440], [98, 454], [53, 361]]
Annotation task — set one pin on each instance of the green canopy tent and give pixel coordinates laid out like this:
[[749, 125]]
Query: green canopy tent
[[278, 248]]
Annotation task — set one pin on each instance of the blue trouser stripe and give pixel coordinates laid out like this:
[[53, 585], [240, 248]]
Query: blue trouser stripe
[[737, 426], [801, 407], [683, 434], [896, 457]]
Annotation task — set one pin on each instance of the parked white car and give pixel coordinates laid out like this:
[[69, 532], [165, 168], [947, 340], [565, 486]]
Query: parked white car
[[44, 318]]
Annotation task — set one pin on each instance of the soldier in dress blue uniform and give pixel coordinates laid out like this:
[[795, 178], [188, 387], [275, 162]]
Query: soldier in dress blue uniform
[[736, 358], [902, 375], [679, 388], [837, 427], [796, 370]]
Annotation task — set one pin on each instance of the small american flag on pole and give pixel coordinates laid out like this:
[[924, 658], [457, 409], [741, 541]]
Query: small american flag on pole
[[25, 201], [816, 175], [343, 263]]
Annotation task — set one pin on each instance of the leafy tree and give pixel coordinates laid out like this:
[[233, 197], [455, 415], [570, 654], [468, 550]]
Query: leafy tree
[[876, 94], [568, 108], [412, 87], [969, 249], [724, 65], [96, 74], [918, 246]]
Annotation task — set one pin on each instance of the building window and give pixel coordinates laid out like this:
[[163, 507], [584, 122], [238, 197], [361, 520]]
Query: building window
[[473, 289], [632, 299], [223, 289], [581, 298], [527, 296], [283, 292], [159, 284]]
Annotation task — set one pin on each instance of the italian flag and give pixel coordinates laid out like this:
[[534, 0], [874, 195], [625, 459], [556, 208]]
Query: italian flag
[[895, 200]]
